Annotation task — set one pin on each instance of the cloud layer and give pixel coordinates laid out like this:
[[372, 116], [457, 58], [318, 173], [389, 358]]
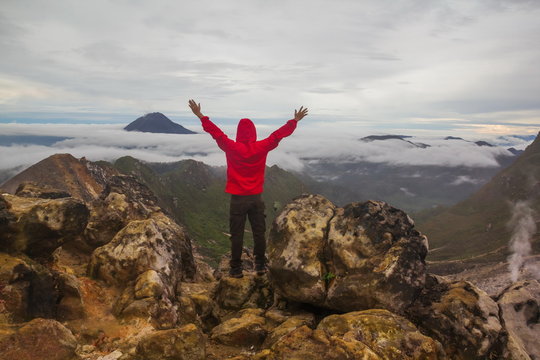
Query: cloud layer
[[308, 143]]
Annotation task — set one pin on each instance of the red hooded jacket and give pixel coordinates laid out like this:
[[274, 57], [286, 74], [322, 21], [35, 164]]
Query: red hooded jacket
[[246, 157]]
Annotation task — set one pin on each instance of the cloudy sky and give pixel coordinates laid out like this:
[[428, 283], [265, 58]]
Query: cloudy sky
[[458, 67]]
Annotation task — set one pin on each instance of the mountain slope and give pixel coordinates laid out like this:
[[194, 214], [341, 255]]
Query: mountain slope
[[478, 225], [157, 123]]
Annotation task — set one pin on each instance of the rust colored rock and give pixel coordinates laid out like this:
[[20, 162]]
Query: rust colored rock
[[43, 339]]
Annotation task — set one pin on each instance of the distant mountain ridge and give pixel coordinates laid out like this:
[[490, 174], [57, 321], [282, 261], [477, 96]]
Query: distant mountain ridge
[[156, 122]]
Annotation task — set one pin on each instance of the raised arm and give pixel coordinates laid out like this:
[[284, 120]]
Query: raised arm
[[273, 140], [222, 140]]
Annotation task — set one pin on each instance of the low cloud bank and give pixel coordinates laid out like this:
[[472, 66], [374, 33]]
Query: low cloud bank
[[109, 142]]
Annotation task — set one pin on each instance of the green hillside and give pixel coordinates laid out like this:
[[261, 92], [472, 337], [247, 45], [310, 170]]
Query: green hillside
[[478, 225], [193, 193]]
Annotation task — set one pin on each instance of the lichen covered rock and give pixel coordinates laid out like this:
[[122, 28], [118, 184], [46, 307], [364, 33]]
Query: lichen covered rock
[[185, 343], [124, 199], [157, 243], [296, 247], [248, 329], [388, 335], [362, 256], [520, 311], [461, 316], [306, 343], [38, 226], [286, 327], [248, 292]]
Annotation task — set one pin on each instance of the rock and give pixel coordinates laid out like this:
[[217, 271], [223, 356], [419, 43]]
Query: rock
[[248, 264], [70, 304], [31, 189], [185, 343], [42, 225], [157, 243], [14, 288], [44, 339], [126, 306], [362, 256], [27, 289], [196, 303], [287, 326], [246, 330], [305, 343], [162, 312], [116, 354], [205, 273], [376, 256], [387, 334], [148, 284], [251, 291], [521, 316], [124, 199], [295, 249], [7, 219], [459, 315]]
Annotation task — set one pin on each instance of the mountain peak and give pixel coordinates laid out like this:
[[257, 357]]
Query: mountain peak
[[156, 122], [79, 177]]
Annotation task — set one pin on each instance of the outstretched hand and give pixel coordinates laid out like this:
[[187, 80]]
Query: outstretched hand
[[299, 115], [196, 108]]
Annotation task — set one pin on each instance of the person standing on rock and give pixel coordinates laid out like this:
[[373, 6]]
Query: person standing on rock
[[246, 162]]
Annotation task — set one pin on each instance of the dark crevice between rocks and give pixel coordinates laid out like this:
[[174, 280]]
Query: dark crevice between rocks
[[325, 259]]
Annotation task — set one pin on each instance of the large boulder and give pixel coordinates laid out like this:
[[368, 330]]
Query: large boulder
[[38, 226], [44, 339], [461, 316], [185, 343], [286, 327], [124, 199], [247, 329], [306, 343], [156, 243], [387, 334], [520, 312], [362, 256], [249, 291]]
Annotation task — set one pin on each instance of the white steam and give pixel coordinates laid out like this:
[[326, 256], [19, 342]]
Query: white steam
[[523, 229]]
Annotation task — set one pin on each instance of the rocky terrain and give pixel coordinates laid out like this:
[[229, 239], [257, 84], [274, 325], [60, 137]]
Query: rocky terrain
[[102, 272]]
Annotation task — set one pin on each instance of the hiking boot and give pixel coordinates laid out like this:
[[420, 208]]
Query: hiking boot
[[236, 273], [261, 269]]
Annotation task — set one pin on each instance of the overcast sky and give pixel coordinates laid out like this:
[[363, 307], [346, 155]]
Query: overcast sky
[[469, 67]]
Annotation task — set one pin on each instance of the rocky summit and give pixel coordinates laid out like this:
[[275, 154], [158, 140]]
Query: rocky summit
[[108, 275]]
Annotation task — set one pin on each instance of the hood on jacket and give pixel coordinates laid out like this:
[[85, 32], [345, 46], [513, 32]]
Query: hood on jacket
[[246, 131]]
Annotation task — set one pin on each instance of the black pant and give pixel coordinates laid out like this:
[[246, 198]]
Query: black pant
[[251, 206]]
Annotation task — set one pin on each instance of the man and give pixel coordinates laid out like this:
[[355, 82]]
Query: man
[[246, 162]]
